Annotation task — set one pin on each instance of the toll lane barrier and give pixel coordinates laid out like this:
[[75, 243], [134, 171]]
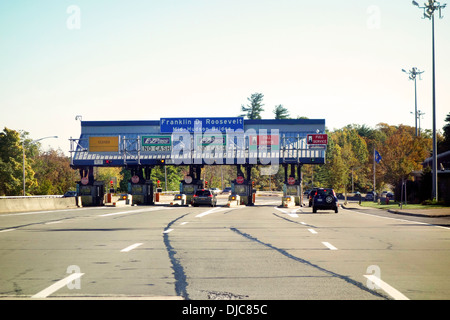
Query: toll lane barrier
[[288, 202], [234, 200], [178, 200], [36, 204], [124, 200]]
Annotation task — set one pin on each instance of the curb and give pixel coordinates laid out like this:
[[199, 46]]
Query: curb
[[401, 213], [418, 214]]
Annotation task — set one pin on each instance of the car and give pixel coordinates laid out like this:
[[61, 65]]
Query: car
[[216, 191], [370, 196], [204, 197], [311, 195], [70, 194], [227, 190], [325, 199]]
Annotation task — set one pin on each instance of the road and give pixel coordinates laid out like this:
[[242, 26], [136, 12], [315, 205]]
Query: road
[[256, 253]]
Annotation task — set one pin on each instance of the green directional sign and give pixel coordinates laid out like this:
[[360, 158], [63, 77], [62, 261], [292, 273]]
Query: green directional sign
[[156, 143]]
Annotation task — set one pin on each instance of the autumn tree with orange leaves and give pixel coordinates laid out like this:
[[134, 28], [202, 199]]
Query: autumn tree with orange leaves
[[403, 152]]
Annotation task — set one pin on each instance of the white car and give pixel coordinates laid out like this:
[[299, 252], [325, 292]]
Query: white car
[[216, 191]]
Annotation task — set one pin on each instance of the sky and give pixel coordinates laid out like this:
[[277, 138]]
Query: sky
[[144, 60]]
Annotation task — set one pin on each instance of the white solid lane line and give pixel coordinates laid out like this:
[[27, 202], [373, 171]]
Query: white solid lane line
[[56, 286], [132, 211], [133, 246], [329, 246], [54, 222], [291, 214], [208, 212], [394, 293], [7, 230]]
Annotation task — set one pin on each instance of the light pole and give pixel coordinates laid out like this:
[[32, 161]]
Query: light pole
[[419, 116], [428, 12], [23, 149], [413, 73]]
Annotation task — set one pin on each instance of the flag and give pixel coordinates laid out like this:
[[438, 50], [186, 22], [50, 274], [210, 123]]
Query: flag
[[377, 157]]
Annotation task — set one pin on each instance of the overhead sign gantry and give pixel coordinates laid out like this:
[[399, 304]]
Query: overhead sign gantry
[[141, 145]]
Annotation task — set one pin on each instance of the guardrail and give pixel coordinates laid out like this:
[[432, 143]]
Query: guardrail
[[31, 197], [35, 203]]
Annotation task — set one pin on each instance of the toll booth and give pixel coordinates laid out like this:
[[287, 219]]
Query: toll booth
[[142, 192], [293, 190], [196, 141], [292, 185], [91, 194], [244, 189], [189, 186]]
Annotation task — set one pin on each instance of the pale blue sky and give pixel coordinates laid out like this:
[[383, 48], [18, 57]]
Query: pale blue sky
[[143, 60]]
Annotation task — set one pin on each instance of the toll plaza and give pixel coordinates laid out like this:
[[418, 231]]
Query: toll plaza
[[139, 146]]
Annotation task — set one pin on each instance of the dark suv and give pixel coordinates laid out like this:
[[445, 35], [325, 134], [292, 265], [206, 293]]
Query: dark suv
[[204, 196], [325, 199], [311, 196]]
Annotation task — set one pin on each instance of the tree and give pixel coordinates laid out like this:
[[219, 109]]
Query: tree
[[11, 163], [107, 174], [253, 110], [346, 155], [281, 112], [174, 175], [334, 174], [444, 145], [354, 153], [53, 173], [402, 152]]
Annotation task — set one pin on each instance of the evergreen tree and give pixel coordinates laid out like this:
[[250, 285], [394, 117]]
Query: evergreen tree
[[281, 112], [253, 110]]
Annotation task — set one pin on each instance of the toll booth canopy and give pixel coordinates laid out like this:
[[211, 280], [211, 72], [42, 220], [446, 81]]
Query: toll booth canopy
[[210, 141]]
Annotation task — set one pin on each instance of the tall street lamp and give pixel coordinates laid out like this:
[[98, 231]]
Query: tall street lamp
[[23, 148], [428, 12], [413, 73]]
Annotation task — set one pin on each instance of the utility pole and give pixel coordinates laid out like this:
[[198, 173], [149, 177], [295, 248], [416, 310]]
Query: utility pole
[[428, 12], [413, 73]]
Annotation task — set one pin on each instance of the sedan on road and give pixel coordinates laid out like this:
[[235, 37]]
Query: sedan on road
[[204, 197]]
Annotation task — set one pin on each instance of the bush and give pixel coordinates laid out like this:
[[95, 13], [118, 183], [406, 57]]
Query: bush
[[433, 203]]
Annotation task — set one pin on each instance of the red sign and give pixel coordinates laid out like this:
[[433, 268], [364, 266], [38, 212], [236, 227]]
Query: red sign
[[240, 180], [264, 140], [84, 180], [317, 139], [291, 180], [135, 179]]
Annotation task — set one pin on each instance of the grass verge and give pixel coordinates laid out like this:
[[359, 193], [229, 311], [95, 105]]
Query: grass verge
[[395, 205]]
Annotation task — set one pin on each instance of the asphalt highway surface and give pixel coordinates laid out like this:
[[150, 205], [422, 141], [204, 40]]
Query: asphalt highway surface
[[263, 252]]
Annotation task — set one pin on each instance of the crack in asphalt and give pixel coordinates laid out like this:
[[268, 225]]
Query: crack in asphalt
[[308, 263], [178, 270]]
